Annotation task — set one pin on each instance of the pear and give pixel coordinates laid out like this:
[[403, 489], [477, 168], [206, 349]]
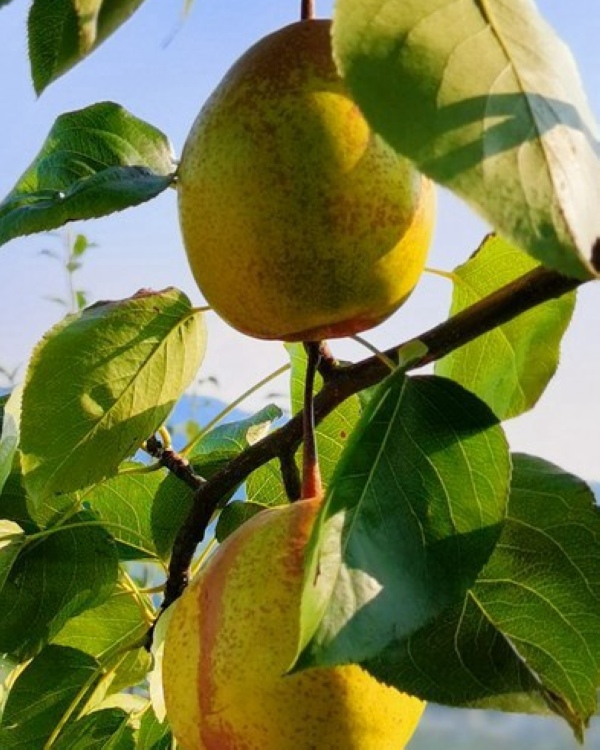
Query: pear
[[233, 636], [299, 222]]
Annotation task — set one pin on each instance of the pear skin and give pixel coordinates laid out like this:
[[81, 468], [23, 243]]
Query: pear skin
[[299, 222], [232, 638]]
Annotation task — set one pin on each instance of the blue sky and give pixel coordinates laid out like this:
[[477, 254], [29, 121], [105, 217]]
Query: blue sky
[[162, 70]]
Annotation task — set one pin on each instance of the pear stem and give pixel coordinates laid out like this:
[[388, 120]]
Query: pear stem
[[307, 10], [311, 474], [292, 481]]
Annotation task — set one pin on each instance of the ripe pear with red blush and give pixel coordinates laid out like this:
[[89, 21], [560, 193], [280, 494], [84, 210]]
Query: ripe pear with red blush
[[232, 638]]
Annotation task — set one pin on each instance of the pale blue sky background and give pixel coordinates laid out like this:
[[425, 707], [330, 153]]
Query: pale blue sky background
[[166, 83]]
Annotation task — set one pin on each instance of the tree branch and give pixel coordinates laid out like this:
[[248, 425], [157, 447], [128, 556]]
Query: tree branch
[[521, 295]]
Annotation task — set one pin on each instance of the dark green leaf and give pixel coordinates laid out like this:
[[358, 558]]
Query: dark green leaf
[[44, 694], [106, 729], [488, 101], [100, 383], [527, 635], [13, 501], [234, 515], [414, 511], [55, 577], [94, 161], [497, 367], [63, 32], [81, 299]]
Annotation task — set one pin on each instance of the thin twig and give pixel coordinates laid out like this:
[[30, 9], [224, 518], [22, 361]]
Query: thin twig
[[174, 462], [291, 476]]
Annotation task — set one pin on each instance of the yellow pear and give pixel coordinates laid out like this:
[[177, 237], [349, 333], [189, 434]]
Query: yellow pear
[[299, 222], [231, 639]]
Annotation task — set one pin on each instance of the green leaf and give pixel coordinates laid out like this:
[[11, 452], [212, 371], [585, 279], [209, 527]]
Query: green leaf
[[143, 510], [231, 438], [9, 435], [414, 511], [94, 161], [265, 485], [55, 577], [101, 382], [131, 702], [63, 32], [131, 671], [152, 734], [115, 625], [53, 509], [228, 440], [234, 515], [527, 635], [497, 367], [12, 537], [8, 670], [487, 100], [44, 694], [80, 245]]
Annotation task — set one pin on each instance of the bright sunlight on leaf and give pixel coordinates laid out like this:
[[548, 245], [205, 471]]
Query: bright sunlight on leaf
[[101, 382], [487, 100], [497, 366], [63, 32]]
